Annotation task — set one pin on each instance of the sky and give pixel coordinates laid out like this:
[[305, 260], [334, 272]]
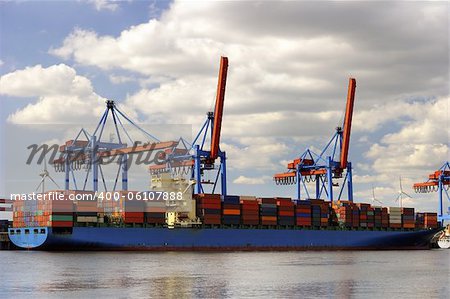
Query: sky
[[286, 89]]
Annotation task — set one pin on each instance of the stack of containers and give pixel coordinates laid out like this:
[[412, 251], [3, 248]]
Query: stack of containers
[[384, 218], [132, 209], [106, 206], [286, 211], [61, 213], [408, 219], [315, 214], [343, 212], [231, 209], [18, 213], [54, 211], [320, 212], [377, 217], [86, 211], [430, 220], [209, 208], [268, 211], [370, 217], [355, 216], [303, 213], [363, 214], [44, 212], [395, 217], [249, 210], [426, 220]]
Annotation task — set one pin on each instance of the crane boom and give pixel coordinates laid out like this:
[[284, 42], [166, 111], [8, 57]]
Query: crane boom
[[218, 111], [348, 122]]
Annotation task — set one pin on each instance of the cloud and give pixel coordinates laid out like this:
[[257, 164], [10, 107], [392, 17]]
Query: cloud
[[285, 51], [289, 62], [423, 138], [243, 180], [99, 5], [37, 80], [117, 79], [254, 153], [289, 66], [62, 95]]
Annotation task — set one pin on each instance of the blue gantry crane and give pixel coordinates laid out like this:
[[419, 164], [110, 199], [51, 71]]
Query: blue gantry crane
[[329, 165], [89, 151], [197, 158], [438, 181]]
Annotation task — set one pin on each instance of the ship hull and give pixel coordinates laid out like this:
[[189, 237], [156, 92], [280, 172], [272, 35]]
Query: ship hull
[[218, 239]]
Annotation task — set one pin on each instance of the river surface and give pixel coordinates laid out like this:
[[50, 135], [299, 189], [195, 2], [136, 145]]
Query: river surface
[[351, 274]]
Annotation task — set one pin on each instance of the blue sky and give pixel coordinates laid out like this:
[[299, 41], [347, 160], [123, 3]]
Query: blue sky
[[289, 68]]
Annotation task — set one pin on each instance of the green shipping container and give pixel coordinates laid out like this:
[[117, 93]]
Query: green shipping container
[[61, 218]]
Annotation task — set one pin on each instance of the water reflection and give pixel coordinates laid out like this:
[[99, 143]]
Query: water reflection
[[225, 275]]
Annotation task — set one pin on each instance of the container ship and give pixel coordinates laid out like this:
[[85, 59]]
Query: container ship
[[221, 223], [177, 212]]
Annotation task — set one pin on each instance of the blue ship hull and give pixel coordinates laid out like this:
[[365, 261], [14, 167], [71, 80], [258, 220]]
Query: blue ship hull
[[220, 239]]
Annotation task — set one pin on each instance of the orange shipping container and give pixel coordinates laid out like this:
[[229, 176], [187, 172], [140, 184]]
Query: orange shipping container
[[231, 212]]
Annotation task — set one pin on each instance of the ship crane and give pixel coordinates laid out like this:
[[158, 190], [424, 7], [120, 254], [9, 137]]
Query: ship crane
[[323, 169], [197, 158], [438, 181]]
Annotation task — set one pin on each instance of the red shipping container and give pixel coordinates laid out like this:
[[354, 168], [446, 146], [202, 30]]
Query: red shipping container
[[250, 208], [207, 196], [62, 223], [248, 217], [250, 221], [231, 212], [212, 219], [286, 213], [303, 222], [268, 200]]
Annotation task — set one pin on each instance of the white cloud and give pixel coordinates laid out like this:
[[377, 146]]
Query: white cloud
[[117, 79], [63, 96], [300, 48], [111, 5], [289, 64], [243, 180], [420, 143], [254, 153], [37, 80]]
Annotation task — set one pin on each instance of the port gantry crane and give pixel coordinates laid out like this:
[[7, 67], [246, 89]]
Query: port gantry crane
[[438, 181], [90, 154], [324, 168], [171, 156], [197, 158]]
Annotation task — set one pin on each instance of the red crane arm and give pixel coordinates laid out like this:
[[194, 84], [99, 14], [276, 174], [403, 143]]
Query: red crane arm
[[348, 122], [218, 111]]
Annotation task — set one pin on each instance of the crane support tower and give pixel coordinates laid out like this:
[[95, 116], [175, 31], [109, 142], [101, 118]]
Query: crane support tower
[[325, 168], [197, 158], [438, 181]]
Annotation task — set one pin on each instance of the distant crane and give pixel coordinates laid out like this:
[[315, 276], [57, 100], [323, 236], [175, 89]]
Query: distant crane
[[401, 193], [438, 181], [326, 167]]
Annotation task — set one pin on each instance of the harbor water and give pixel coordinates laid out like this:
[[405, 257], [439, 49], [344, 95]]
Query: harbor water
[[322, 274]]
